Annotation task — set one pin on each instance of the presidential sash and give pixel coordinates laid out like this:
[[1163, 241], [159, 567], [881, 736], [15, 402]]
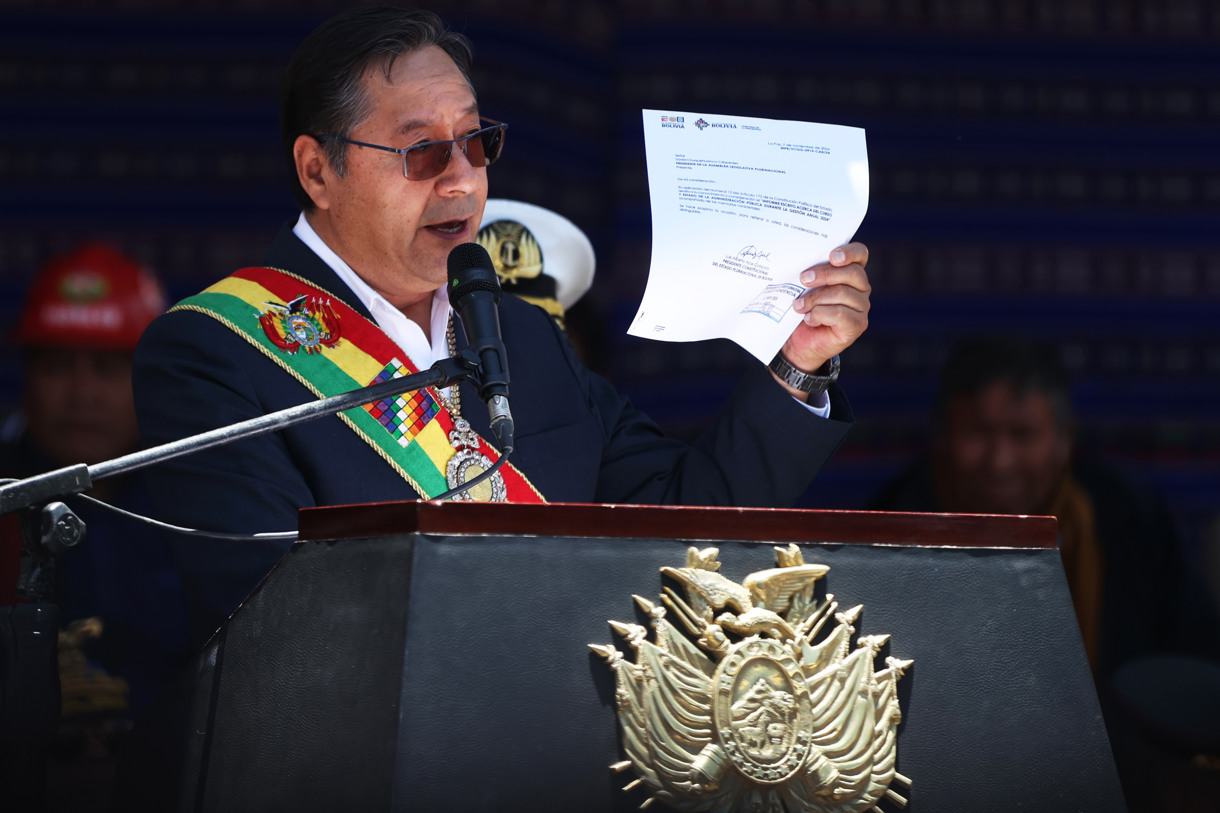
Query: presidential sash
[[331, 349]]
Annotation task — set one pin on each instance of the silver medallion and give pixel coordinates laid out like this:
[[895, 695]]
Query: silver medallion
[[468, 463]]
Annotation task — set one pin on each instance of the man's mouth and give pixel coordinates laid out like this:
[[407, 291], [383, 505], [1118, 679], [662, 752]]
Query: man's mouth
[[448, 227]]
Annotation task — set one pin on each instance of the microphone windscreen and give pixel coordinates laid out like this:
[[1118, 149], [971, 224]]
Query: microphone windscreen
[[470, 270]]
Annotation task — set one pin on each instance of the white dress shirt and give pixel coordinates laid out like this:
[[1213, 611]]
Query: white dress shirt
[[405, 333]]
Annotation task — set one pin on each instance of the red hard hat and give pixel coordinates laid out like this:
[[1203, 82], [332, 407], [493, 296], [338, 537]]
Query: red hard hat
[[94, 298]]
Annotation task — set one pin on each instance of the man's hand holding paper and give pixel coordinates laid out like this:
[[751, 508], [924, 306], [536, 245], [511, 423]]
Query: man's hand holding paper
[[741, 207], [834, 311]]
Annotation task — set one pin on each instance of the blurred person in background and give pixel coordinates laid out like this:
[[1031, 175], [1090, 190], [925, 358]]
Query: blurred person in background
[[118, 593], [1003, 442]]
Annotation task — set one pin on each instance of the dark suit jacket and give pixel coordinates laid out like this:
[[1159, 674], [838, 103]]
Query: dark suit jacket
[[577, 439]]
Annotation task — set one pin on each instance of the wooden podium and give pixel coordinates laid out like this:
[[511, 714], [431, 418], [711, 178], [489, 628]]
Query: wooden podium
[[433, 657]]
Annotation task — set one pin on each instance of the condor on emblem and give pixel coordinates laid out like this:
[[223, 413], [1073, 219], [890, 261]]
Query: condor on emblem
[[748, 706], [305, 322]]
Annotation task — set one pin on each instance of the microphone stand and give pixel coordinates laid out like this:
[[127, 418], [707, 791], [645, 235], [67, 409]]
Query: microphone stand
[[48, 527]]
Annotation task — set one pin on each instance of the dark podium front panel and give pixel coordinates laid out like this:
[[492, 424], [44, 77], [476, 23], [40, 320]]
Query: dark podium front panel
[[445, 666]]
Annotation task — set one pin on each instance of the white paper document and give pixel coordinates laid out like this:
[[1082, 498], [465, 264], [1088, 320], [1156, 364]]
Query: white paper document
[[740, 206]]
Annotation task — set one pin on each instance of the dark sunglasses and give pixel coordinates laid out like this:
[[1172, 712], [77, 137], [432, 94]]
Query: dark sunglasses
[[425, 161]]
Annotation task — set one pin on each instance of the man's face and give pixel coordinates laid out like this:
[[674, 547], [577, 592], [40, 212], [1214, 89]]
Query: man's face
[[1000, 453], [80, 405], [395, 233]]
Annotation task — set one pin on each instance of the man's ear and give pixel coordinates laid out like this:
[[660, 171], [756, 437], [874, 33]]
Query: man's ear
[[313, 169]]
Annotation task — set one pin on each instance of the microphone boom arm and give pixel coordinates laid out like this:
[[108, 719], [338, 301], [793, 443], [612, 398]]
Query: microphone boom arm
[[53, 485]]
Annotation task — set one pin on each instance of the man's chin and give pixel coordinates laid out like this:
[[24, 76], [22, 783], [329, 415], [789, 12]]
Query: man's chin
[[435, 268]]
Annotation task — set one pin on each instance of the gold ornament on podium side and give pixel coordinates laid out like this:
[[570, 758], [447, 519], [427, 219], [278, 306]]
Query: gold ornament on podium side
[[756, 713]]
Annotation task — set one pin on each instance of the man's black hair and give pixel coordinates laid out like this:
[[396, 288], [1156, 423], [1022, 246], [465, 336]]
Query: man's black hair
[[323, 91], [976, 363]]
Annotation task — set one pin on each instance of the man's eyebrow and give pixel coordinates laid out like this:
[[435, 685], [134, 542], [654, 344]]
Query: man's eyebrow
[[420, 124]]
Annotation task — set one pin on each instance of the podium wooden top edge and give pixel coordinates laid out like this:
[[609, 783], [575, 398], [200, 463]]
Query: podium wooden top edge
[[678, 522]]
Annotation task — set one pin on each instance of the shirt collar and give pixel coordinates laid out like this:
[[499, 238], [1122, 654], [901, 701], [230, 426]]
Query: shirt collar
[[388, 317]]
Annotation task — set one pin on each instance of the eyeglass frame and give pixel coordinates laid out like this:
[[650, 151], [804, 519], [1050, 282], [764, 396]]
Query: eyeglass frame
[[460, 142]]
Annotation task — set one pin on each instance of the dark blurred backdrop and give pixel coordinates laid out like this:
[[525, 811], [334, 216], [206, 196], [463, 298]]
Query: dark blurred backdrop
[[1050, 167]]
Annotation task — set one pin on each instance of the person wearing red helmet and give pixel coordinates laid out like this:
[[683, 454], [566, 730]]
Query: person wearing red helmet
[[82, 317]]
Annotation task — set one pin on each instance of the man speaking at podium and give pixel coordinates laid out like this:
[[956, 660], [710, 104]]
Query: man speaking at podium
[[389, 156]]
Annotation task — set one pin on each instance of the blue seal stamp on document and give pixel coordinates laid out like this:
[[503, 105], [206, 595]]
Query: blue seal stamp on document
[[774, 301]]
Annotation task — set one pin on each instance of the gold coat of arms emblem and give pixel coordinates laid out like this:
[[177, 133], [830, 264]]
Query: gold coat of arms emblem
[[752, 698]]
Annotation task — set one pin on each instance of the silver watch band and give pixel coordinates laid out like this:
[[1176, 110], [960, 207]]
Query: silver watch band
[[814, 382]]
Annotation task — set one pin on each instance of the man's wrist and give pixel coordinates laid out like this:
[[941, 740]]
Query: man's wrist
[[802, 381]]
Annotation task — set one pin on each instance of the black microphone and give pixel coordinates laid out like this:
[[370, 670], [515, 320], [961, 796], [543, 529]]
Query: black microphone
[[474, 292]]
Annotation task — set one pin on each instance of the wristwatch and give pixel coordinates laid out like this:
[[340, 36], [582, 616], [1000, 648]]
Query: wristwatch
[[814, 382]]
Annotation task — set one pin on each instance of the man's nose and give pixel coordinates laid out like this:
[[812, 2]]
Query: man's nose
[[1003, 453], [459, 174]]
